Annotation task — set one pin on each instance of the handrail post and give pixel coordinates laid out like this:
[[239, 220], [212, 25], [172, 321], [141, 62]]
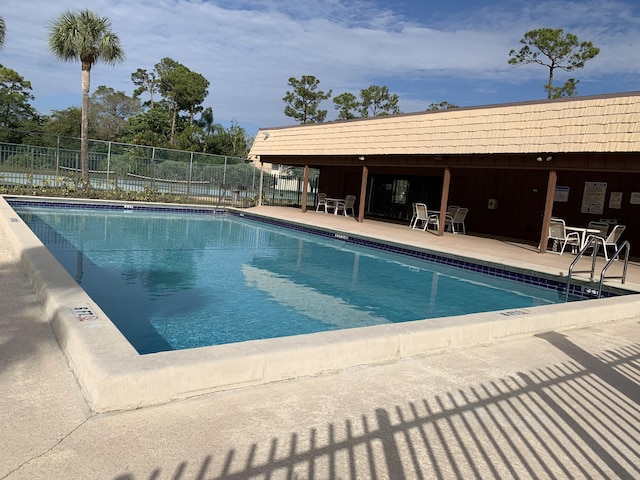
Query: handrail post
[[627, 246], [575, 261]]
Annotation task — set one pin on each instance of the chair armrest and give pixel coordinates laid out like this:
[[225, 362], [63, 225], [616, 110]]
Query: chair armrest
[[595, 236]]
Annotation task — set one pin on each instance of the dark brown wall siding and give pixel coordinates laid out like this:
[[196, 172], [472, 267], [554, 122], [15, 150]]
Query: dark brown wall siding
[[520, 194]]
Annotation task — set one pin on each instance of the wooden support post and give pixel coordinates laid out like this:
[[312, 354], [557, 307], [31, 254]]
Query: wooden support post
[[261, 182], [548, 210], [363, 193], [305, 188], [444, 201]]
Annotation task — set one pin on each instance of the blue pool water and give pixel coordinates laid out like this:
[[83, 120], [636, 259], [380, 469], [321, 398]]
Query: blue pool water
[[182, 280]]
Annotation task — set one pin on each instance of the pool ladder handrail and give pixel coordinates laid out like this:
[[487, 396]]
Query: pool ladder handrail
[[625, 245]]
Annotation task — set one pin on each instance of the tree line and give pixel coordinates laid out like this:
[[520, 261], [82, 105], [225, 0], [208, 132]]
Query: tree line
[[551, 48], [161, 112]]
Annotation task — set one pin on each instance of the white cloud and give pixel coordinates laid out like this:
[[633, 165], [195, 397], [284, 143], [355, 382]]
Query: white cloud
[[248, 49]]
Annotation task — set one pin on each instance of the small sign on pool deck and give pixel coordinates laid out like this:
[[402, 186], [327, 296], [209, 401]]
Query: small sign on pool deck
[[512, 313], [84, 313]]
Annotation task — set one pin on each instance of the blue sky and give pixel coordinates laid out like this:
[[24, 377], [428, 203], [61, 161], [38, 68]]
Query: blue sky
[[425, 51]]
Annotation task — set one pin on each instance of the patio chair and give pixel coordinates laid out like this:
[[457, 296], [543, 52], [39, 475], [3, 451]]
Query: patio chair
[[455, 221], [610, 241], [601, 226], [324, 203], [414, 216], [421, 215], [434, 219], [558, 233], [346, 205]]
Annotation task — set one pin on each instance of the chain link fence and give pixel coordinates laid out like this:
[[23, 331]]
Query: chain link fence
[[149, 173]]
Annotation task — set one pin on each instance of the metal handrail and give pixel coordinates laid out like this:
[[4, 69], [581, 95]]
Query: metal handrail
[[627, 246], [590, 240]]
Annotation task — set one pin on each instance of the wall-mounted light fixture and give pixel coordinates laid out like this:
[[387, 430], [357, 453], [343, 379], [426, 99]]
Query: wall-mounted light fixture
[[266, 135], [548, 158], [361, 158]]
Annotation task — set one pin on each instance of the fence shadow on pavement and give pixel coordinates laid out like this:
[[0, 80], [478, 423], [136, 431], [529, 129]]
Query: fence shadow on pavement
[[577, 419]]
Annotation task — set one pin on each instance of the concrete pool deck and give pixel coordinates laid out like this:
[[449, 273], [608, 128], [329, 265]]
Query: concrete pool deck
[[559, 403]]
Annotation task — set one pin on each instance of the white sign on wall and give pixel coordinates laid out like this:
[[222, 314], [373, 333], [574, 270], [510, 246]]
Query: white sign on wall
[[561, 194], [593, 197], [635, 198], [615, 200]]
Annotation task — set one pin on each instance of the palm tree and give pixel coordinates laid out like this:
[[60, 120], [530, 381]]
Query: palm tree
[[85, 36], [3, 30]]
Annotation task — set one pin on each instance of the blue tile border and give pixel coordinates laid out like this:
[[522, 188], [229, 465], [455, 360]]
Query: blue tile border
[[125, 206], [491, 270]]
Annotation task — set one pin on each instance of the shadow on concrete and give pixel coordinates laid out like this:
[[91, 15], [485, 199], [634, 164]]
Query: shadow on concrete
[[577, 419], [20, 335]]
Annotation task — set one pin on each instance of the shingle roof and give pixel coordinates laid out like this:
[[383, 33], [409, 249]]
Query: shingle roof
[[607, 123]]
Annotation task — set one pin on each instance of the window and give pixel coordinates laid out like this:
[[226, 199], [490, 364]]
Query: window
[[400, 189]]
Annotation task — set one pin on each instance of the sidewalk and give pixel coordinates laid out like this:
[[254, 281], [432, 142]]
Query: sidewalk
[[557, 405]]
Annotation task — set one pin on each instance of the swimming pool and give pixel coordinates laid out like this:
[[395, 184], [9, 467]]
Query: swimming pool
[[114, 376], [171, 280]]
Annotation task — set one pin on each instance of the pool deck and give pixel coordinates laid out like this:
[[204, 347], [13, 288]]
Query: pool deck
[[561, 403]]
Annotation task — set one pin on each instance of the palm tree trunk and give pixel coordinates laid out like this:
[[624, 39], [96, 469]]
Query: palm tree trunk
[[173, 122], [84, 129]]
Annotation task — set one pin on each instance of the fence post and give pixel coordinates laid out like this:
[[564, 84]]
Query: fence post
[[273, 192], [75, 170], [108, 164], [224, 171], [32, 161], [253, 180], [153, 169], [190, 173], [55, 182]]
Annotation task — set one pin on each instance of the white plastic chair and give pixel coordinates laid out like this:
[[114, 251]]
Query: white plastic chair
[[323, 202], [452, 210], [414, 216], [421, 215], [558, 233], [602, 227], [434, 219], [346, 205], [455, 221], [610, 241]]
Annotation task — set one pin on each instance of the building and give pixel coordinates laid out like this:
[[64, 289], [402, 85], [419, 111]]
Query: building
[[513, 165]]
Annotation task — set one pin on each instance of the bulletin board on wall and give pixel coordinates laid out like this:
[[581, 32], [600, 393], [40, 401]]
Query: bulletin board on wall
[[593, 197]]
